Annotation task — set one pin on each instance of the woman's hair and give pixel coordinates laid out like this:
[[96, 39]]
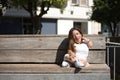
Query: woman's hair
[[70, 37]]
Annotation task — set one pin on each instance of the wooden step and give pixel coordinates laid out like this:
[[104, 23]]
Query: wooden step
[[50, 68]]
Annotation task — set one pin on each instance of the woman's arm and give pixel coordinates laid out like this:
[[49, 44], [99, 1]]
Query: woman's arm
[[87, 41], [71, 53], [72, 56]]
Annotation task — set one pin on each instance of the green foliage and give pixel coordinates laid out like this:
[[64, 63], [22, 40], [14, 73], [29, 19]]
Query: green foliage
[[55, 3], [107, 12], [99, 10], [59, 3]]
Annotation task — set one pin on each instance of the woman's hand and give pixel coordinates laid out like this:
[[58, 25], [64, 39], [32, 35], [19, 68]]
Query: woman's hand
[[87, 41], [72, 55]]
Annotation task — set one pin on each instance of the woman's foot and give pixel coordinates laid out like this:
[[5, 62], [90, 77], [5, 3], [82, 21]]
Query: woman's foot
[[79, 63], [66, 64]]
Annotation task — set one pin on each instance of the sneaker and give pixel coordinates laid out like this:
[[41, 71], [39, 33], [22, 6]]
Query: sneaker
[[66, 64], [78, 63]]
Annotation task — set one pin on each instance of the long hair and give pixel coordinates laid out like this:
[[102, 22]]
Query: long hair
[[71, 40], [70, 36]]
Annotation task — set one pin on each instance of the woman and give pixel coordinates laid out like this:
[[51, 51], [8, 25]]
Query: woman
[[78, 49]]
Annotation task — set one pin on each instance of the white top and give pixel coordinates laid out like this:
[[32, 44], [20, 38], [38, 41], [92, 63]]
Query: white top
[[82, 50]]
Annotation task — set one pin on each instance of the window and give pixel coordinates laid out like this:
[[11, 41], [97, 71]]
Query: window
[[77, 24], [75, 2], [80, 2], [82, 26], [83, 2], [49, 26]]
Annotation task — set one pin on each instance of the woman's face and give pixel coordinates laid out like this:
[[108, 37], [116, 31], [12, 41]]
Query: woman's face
[[77, 36]]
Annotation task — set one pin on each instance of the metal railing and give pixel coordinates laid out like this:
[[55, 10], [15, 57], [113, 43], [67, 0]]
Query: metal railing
[[112, 49]]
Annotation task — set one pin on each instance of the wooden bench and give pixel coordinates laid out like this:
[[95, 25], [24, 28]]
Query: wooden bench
[[39, 57]]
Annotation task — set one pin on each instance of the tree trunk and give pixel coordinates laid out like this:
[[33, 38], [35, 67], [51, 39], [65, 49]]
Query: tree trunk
[[112, 28], [37, 25]]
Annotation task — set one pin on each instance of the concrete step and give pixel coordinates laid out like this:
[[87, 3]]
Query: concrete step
[[82, 76]]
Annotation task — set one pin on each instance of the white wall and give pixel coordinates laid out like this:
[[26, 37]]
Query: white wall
[[91, 3], [96, 27], [89, 27], [63, 26]]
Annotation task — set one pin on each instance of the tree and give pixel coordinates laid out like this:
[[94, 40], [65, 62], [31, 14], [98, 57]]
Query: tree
[[107, 12], [31, 7], [3, 5]]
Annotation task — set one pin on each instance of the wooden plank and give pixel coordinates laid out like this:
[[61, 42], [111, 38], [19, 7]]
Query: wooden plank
[[50, 68], [33, 43], [98, 42], [96, 57], [44, 56], [44, 42]]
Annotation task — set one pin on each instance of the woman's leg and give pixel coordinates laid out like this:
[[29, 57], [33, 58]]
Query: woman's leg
[[67, 62], [79, 63]]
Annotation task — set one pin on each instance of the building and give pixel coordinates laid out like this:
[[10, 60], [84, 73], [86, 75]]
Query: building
[[76, 14]]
